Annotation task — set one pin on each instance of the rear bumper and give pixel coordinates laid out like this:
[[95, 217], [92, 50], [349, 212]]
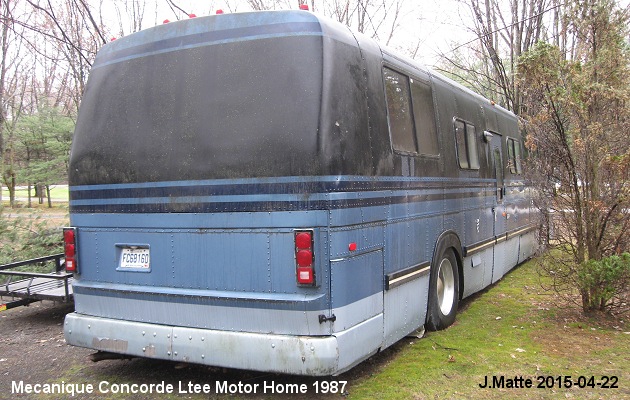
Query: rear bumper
[[300, 355]]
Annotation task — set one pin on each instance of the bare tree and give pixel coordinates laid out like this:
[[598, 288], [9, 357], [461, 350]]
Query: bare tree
[[377, 19], [8, 65], [503, 32]]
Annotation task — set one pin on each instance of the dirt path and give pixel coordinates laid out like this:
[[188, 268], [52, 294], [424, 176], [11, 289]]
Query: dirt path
[[32, 347]]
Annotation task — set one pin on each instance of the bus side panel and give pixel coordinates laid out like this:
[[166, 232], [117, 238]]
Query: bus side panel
[[356, 276], [356, 290], [527, 246], [405, 309], [505, 257], [344, 141], [477, 271], [410, 243], [380, 146]]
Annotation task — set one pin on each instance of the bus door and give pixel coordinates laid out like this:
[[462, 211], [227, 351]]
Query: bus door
[[500, 222]]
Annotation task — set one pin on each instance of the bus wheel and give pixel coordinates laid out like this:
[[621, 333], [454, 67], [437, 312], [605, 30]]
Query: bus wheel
[[443, 291]]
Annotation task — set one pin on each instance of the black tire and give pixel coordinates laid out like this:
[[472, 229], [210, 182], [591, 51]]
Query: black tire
[[443, 291]]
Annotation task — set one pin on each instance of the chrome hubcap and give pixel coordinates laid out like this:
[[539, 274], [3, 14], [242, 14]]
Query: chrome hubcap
[[445, 286]]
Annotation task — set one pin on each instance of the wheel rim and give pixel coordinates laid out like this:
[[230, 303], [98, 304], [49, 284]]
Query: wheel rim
[[445, 286]]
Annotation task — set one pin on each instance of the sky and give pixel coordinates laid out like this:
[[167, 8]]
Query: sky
[[440, 26], [436, 24]]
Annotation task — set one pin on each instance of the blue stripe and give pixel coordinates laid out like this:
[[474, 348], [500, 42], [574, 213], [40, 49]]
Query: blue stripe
[[286, 194], [283, 185]]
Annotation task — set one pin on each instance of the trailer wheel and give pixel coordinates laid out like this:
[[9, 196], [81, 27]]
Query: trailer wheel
[[443, 291]]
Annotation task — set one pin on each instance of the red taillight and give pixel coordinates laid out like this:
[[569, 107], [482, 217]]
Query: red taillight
[[303, 240], [219, 12], [69, 251], [304, 258], [304, 7], [70, 248]]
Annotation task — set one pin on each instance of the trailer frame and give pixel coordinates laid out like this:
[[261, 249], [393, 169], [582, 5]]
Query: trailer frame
[[35, 286]]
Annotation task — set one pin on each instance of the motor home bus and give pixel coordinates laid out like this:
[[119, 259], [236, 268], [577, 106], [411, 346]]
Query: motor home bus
[[272, 191]]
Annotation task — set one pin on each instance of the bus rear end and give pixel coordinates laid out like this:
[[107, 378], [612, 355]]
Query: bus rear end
[[198, 224]]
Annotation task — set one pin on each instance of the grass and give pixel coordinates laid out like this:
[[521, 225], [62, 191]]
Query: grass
[[58, 193], [512, 330]]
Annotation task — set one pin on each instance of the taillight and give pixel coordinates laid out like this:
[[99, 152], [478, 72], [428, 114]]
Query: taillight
[[304, 258], [70, 248]]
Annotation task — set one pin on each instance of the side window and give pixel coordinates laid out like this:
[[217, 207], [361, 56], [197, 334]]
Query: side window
[[460, 138], [514, 155], [498, 172], [424, 117], [466, 145], [399, 111]]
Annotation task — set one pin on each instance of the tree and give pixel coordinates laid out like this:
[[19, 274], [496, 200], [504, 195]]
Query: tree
[[45, 139], [578, 116], [376, 19], [504, 31]]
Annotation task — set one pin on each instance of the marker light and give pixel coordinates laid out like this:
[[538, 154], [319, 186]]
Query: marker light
[[166, 21], [192, 16], [219, 12], [304, 7]]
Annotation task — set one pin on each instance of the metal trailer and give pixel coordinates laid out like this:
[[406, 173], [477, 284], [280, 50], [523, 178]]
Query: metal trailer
[[24, 287]]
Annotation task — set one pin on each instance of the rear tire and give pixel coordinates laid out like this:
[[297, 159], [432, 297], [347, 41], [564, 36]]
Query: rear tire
[[443, 291]]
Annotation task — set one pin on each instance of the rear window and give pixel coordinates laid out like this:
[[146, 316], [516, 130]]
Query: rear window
[[240, 109]]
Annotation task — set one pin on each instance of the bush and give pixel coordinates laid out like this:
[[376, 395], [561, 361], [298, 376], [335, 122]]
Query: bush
[[604, 284], [23, 237]]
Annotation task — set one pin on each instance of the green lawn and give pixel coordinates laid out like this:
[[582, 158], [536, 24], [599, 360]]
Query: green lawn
[[512, 330], [58, 193]]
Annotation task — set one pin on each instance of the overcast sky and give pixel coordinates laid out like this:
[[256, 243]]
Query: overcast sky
[[439, 25], [436, 24]]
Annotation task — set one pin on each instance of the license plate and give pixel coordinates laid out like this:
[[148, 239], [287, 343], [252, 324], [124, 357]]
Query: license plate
[[135, 258]]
